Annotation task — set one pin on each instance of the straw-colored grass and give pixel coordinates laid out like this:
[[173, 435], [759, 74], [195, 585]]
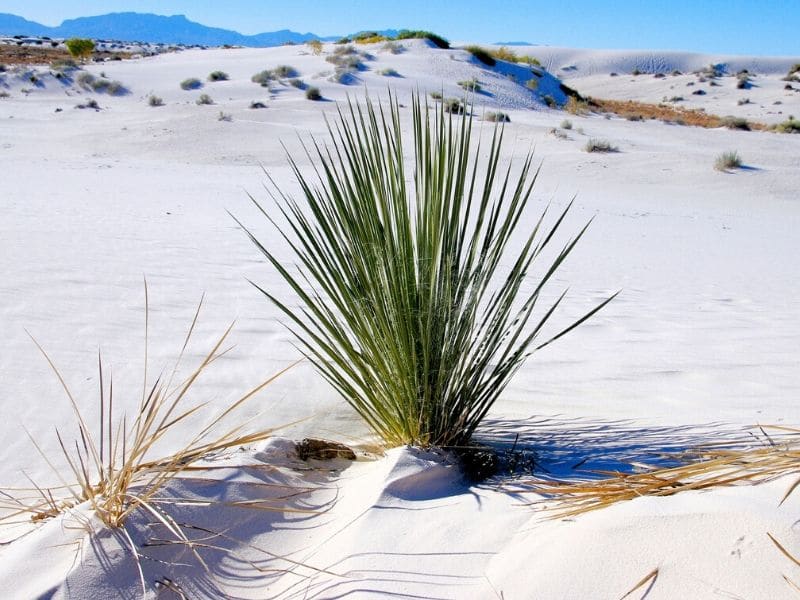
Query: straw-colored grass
[[706, 467], [404, 308], [114, 468]]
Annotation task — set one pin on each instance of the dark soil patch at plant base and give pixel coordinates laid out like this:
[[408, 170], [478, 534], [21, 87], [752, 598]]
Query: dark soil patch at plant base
[[316, 449]]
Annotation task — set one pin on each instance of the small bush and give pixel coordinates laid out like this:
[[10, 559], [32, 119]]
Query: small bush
[[218, 76], [389, 72], [255, 105], [85, 79], [791, 125], [532, 84], [497, 117], [154, 100], [566, 124], [344, 50], [369, 37], [558, 133], [795, 68], [313, 93], [699, 93], [482, 55], [315, 46], [597, 145], [263, 78], [743, 81], [61, 65], [224, 117], [297, 83], [437, 40], [471, 85], [736, 123], [743, 101], [437, 96], [192, 83], [727, 161], [636, 72], [91, 103], [393, 47], [453, 106], [204, 99], [550, 101], [284, 71], [79, 47], [4, 94]]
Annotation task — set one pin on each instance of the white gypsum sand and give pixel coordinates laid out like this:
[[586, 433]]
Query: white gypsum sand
[[701, 341]]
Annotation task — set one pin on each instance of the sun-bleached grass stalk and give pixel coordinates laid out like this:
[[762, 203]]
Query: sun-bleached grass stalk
[[116, 468], [404, 306]]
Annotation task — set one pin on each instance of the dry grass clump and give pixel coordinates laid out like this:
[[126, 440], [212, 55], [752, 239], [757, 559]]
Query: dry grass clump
[[566, 124], [315, 46], [116, 467], [728, 161], [709, 466], [398, 297], [204, 99], [509, 55], [739, 123], [393, 47], [369, 37], [598, 145]]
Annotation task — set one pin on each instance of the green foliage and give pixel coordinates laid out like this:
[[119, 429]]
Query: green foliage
[[218, 76], [192, 83], [389, 72], [791, 125], [482, 54], [727, 161], [532, 84], [313, 93], [438, 41], [404, 305], [263, 78], [81, 48]]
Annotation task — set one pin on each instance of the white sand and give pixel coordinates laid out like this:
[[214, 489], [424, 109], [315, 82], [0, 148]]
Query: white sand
[[704, 332]]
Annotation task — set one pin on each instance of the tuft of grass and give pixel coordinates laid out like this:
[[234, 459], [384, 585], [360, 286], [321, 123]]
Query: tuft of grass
[[205, 99], [297, 83], [117, 468], [735, 123], [218, 76], [549, 101], [313, 93], [728, 161], [497, 117], [482, 55], [436, 96], [90, 103], [284, 71], [393, 47], [403, 305], [566, 124], [192, 83], [598, 145], [389, 72], [453, 106], [315, 46], [263, 78], [532, 84], [154, 100], [470, 85], [226, 117], [255, 105]]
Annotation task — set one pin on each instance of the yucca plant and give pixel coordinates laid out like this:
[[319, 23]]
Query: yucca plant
[[404, 306]]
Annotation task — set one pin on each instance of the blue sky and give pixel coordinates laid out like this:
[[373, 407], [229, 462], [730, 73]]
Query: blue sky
[[767, 27]]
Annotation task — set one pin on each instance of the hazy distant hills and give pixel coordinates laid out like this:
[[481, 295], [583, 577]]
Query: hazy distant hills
[[129, 26]]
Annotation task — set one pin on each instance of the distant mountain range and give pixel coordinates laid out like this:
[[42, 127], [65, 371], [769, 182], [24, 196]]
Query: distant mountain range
[[139, 27]]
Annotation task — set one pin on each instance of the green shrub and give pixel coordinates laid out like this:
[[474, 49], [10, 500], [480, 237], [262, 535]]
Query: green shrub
[[532, 84], [481, 54], [437, 40], [193, 83], [297, 83], [437, 96], [284, 71], [154, 100], [791, 125], [85, 79], [471, 85], [727, 161], [263, 78], [389, 72], [597, 145], [313, 93], [218, 76], [404, 306], [79, 47], [497, 117], [204, 99]]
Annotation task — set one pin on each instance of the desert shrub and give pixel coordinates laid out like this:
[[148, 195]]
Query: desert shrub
[[676, 72], [795, 68], [743, 81], [116, 88], [550, 101], [393, 47], [437, 40], [313, 93], [344, 50], [90, 103], [699, 93], [636, 71], [389, 72], [204, 99], [218, 76], [674, 99], [437, 96], [598, 145], [154, 100], [255, 105], [315, 46], [727, 161], [497, 117], [192, 83], [344, 40], [297, 83], [85, 79], [743, 101], [791, 125], [532, 84], [735, 123], [503, 53], [453, 106], [4, 94], [659, 76], [613, 74], [263, 78], [529, 60], [566, 124], [576, 107], [284, 71], [471, 85], [61, 65], [428, 328], [223, 116], [482, 55], [79, 47], [369, 37], [558, 133]]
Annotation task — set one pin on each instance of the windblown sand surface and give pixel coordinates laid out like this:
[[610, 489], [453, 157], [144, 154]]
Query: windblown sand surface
[[701, 342]]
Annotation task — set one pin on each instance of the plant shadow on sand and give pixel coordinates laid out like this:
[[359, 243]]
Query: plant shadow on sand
[[576, 448]]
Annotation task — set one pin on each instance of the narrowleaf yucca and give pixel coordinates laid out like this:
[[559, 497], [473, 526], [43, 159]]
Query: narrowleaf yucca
[[403, 306]]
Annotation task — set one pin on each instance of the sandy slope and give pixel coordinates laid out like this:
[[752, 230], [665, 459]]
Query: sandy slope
[[704, 331]]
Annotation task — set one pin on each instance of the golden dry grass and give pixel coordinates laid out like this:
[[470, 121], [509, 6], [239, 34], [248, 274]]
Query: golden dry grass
[[706, 467]]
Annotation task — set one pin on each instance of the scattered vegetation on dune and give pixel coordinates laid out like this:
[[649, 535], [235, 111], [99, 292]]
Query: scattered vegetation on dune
[[509, 55], [728, 161], [454, 106], [482, 55], [566, 124], [313, 93], [80, 48], [599, 145], [369, 37], [263, 78], [393, 47], [218, 76], [427, 329], [470, 85], [154, 100], [315, 46], [192, 83], [389, 72], [791, 125], [205, 99], [497, 117], [438, 41]]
